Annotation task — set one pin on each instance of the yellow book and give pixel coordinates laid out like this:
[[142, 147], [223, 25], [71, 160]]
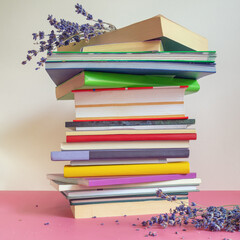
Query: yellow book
[[126, 170]]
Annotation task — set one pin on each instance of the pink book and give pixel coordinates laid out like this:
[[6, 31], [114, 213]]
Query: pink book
[[103, 181]]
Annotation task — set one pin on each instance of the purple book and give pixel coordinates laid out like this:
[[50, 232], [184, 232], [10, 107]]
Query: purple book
[[103, 181], [119, 154]]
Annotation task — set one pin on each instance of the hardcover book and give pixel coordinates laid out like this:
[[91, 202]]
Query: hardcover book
[[124, 170], [60, 72], [76, 154], [116, 180], [174, 37], [96, 80]]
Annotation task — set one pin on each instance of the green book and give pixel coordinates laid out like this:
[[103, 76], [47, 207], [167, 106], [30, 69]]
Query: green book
[[96, 80]]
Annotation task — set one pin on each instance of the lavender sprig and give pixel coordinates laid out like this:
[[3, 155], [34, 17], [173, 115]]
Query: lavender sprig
[[211, 218], [66, 32]]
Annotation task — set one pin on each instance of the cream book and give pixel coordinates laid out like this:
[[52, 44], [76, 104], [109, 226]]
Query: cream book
[[124, 145], [148, 46], [173, 36], [128, 208]]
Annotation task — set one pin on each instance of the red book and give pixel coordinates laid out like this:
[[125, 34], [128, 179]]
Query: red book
[[132, 137]]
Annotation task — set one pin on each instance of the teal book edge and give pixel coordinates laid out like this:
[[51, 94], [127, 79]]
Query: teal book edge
[[99, 201], [96, 80]]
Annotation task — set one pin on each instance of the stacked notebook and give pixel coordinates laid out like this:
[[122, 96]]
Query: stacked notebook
[[131, 135]]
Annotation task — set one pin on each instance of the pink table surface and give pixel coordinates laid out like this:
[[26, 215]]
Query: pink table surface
[[46, 215]]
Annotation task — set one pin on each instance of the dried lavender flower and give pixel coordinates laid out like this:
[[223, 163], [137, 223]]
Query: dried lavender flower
[[212, 218], [67, 32]]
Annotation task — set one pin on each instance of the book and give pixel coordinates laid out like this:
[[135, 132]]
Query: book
[[75, 154], [173, 36], [129, 102], [152, 45], [128, 96], [60, 72], [131, 137], [96, 80], [134, 125], [107, 145], [129, 208], [182, 195], [124, 170], [131, 132], [103, 193], [116, 180], [117, 161], [61, 186], [179, 56]]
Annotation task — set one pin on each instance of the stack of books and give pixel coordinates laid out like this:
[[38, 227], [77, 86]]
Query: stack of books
[[130, 136]]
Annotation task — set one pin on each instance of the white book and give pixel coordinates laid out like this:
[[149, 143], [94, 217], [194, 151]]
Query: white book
[[126, 192], [130, 111], [144, 127], [129, 102], [124, 145], [129, 95]]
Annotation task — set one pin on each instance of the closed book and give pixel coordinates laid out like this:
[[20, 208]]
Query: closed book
[[98, 80], [82, 194], [81, 125], [131, 132], [116, 180], [76, 202], [154, 45], [176, 56], [61, 186], [131, 137], [129, 102], [124, 170], [124, 145], [128, 208], [72, 155], [60, 72], [174, 37]]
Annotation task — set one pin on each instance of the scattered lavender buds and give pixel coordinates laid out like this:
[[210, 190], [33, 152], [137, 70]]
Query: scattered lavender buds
[[66, 32], [211, 218]]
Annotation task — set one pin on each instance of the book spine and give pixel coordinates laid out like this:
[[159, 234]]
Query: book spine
[[131, 137], [123, 170]]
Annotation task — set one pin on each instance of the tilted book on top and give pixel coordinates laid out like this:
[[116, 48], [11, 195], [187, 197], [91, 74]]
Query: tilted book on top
[[173, 36]]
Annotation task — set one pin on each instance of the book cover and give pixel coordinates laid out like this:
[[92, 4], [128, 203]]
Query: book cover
[[61, 186], [60, 72], [116, 180], [131, 137], [175, 56], [72, 155], [173, 36], [124, 170], [90, 124], [96, 80], [126, 192]]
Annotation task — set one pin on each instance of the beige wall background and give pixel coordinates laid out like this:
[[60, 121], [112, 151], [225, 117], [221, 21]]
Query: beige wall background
[[32, 120]]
